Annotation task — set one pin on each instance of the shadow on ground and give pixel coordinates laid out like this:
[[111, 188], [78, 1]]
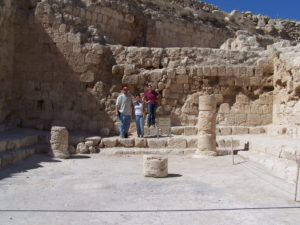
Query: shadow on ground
[[30, 163]]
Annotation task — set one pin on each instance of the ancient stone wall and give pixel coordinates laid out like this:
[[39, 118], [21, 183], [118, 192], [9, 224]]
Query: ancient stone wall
[[6, 58], [58, 68], [130, 24], [172, 33], [53, 76], [286, 108], [238, 80]]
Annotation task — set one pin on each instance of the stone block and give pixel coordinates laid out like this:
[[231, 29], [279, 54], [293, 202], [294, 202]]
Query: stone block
[[171, 73], [155, 166], [129, 69], [257, 130], [140, 142], [199, 71], [133, 79], [126, 142], [89, 143], [82, 148], [156, 143], [191, 130], [92, 58], [96, 140], [181, 70], [87, 77], [110, 142], [240, 130], [225, 130], [206, 71], [177, 130], [224, 108], [240, 119], [177, 142], [192, 142], [222, 71], [182, 79]]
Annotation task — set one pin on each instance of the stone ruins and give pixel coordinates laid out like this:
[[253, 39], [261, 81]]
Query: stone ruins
[[63, 62]]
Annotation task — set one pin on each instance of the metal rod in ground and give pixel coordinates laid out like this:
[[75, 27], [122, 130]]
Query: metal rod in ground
[[297, 180], [232, 151]]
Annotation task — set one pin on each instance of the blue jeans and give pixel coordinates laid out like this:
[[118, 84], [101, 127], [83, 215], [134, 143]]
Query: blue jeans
[[125, 124], [151, 114], [139, 120]]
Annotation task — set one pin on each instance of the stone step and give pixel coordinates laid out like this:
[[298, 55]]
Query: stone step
[[14, 156], [17, 144], [161, 142], [12, 143], [282, 168], [142, 151], [278, 147]]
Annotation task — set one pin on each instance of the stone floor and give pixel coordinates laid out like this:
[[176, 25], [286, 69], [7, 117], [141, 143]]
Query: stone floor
[[99, 189]]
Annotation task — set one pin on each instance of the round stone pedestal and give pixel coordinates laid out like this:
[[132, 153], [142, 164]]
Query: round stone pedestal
[[59, 142], [155, 166]]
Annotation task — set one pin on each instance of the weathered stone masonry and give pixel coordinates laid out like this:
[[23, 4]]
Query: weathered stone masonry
[[7, 14], [57, 68]]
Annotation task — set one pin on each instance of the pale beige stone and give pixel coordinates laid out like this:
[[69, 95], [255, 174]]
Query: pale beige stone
[[207, 142], [140, 142], [155, 166], [110, 142], [95, 139], [126, 142], [177, 142], [190, 130], [59, 142], [156, 143], [82, 148]]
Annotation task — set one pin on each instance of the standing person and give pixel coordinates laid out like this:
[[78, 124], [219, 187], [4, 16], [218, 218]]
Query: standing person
[[139, 118], [124, 110], [151, 99]]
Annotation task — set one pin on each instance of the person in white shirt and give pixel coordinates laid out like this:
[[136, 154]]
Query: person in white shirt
[[139, 115], [124, 110]]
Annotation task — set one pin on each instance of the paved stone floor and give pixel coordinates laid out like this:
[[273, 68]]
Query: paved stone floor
[[97, 189]]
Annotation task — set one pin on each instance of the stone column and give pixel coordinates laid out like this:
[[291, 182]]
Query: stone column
[[59, 142], [206, 127]]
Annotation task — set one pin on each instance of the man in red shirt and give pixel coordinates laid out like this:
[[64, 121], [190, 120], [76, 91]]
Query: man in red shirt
[[151, 99]]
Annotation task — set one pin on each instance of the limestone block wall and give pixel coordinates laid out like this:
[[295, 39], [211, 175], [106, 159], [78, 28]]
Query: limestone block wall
[[57, 79], [237, 79], [176, 33], [6, 58], [62, 75], [128, 23], [286, 108], [119, 23]]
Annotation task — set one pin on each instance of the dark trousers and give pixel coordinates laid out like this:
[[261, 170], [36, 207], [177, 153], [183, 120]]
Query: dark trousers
[[151, 114]]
